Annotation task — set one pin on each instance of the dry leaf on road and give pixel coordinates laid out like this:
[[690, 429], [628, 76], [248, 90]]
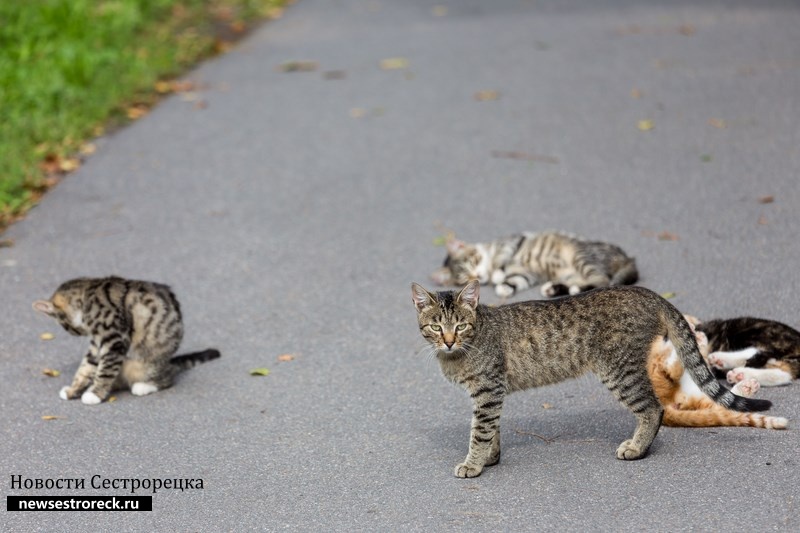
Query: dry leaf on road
[[645, 125], [286, 357], [484, 96], [53, 373], [667, 236], [394, 63], [259, 372], [47, 336], [766, 199], [52, 417]]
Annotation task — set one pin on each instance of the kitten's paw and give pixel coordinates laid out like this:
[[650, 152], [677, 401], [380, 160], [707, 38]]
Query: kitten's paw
[[503, 290], [498, 277], [467, 470], [735, 376], [90, 398], [628, 452], [747, 388], [549, 290], [574, 289], [716, 361], [775, 422], [65, 393], [143, 389]]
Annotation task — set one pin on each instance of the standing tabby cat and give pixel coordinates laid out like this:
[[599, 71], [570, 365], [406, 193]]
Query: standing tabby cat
[[754, 348], [563, 262], [685, 405], [493, 351], [135, 327]]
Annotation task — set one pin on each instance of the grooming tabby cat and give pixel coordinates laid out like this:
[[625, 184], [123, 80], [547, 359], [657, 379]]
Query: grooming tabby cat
[[685, 405], [135, 327], [493, 351], [562, 262], [753, 348]]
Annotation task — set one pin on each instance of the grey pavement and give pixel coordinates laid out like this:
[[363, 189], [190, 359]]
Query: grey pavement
[[291, 212]]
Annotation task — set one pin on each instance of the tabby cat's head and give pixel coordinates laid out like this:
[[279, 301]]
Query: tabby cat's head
[[447, 319], [462, 264], [66, 306]]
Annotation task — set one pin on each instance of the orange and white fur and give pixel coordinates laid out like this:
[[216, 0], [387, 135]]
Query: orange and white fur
[[685, 405]]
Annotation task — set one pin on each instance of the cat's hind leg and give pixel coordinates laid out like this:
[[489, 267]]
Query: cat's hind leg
[[728, 360], [766, 377]]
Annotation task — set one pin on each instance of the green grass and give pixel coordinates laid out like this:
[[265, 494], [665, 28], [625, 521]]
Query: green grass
[[69, 69]]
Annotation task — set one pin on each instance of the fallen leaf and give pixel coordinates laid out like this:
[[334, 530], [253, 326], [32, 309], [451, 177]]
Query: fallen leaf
[[163, 87], [298, 66], [547, 405], [286, 357], [260, 372], [717, 123], [439, 11], [645, 125], [334, 75], [484, 96], [441, 240], [358, 112], [47, 336], [112, 399], [668, 295], [136, 112], [705, 158], [766, 199], [69, 164], [88, 149], [636, 93], [762, 220], [667, 236], [51, 372], [394, 63], [6, 243], [525, 156], [51, 417]]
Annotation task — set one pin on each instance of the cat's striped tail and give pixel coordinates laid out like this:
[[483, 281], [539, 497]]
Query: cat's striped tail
[[682, 337], [191, 360]]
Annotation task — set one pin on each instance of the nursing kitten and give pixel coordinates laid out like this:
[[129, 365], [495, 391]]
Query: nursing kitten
[[753, 348], [685, 405], [493, 351], [135, 327], [562, 262]]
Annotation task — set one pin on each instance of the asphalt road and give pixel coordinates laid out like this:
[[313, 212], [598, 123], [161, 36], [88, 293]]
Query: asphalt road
[[291, 210]]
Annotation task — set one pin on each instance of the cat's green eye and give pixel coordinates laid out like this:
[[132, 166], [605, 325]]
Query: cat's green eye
[[434, 327], [461, 327]]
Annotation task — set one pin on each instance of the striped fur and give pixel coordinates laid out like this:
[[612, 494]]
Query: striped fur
[[493, 351], [563, 263], [135, 327]]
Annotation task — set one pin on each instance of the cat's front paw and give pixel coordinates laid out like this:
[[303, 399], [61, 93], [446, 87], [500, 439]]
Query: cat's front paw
[[498, 277], [503, 290], [142, 388], [716, 361], [90, 398], [735, 376], [628, 452], [549, 290], [66, 393], [747, 388], [574, 289], [467, 470]]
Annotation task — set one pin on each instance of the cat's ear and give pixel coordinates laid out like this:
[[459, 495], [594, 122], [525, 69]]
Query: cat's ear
[[454, 245], [44, 306], [470, 294], [422, 298], [442, 276]]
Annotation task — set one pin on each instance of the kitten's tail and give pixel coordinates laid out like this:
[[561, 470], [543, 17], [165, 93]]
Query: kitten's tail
[[191, 360], [626, 275], [683, 339]]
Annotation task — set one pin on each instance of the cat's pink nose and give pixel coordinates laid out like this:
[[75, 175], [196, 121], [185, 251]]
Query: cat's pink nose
[[450, 343]]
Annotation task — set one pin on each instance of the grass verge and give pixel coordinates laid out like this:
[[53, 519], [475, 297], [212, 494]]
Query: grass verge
[[70, 69]]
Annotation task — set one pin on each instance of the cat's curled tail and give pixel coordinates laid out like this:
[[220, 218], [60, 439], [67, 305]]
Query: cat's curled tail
[[191, 360], [683, 338]]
